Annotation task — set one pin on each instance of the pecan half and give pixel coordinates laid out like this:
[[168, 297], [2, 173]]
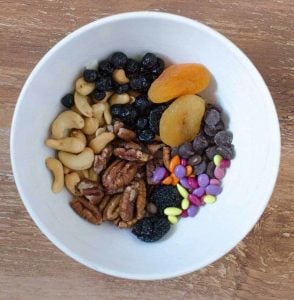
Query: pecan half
[[122, 132], [103, 203], [166, 156], [150, 168], [127, 201], [127, 145], [91, 190], [131, 154], [119, 174], [117, 126], [101, 160], [111, 211], [86, 210], [153, 148]]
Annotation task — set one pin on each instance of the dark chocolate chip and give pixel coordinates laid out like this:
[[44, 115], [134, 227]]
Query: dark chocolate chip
[[212, 117], [210, 152], [223, 138], [226, 152], [213, 130], [210, 169], [200, 143], [200, 168], [194, 160], [186, 150]]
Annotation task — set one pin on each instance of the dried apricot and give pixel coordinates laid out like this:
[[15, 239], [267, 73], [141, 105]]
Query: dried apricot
[[178, 80], [181, 121]]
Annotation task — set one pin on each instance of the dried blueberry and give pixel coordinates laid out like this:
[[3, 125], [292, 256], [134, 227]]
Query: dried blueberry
[[200, 143], [142, 104], [146, 135], [210, 152], [159, 67], [98, 95], [132, 66], [90, 75], [125, 112], [186, 150], [122, 88], [104, 83], [212, 117], [149, 60], [226, 152], [105, 67], [142, 123], [210, 169], [154, 118], [213, 130], [67, 100], [151, 229], [200, 168], [223, 138], [139, 83], [119, 60]]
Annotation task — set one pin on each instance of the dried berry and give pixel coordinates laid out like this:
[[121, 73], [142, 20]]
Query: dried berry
[[142, 123], [119, 60], [98, 95], [122, 88], [146, 135], [223, 138], [142, 104], [151, 229], [67, 100], [158, 68], [212, 117], [139, 83], [165, 196], [104, 83], [90, 75], [132, 67], [149, 61], [154, 117], [105, 67], [125, 112]]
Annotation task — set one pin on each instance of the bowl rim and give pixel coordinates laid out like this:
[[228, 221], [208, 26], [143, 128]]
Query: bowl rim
[[123, 16]]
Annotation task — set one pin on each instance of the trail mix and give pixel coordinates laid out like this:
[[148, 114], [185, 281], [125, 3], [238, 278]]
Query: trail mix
[[137, 147]]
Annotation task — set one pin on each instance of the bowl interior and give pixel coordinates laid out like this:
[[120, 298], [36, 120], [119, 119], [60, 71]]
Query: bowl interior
[[193, 242]]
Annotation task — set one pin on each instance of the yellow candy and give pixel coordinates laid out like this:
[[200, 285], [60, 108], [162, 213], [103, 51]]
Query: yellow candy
[[217, 160], [172, 219], [209, 199], [172, 211], [185, 203], [183, 192]]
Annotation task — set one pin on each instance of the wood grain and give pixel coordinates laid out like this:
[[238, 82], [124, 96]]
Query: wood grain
[[260, 267]]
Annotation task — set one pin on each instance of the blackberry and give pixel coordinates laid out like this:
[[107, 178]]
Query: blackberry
[[98, 95], [149, 60], [104, 83], [119, 60], [154, 118], [132, 66], [146, 135], [151, 229], [105, 67], [90, 75], [139, 83], [122, 88], [67, 100], [165, 196], [142, 123], [142, 104]]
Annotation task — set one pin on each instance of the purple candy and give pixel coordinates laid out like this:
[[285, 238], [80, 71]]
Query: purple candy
[[219, 173], [199, 192], [192, 210], [214, 181], [225, 163], [180, 171], [193, 184], [203, 180], [194, 200], [213, 189], [184, 182], [183, 162], [159, 174], [184, 214]]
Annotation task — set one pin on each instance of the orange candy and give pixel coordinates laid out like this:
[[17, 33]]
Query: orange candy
[[189, 170], [174, 162], [178, 80], [175, 180], [168, 180]]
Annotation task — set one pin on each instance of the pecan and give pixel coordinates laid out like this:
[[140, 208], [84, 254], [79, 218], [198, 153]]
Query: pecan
[[126, 134], [150, 168], [103, 203], [117, 126], [111, 211], [86, 210], [166, 156], [127, 145], [91, 190], [101, 160], [119, 174], [131, 154], [127, 202], [153, 148]]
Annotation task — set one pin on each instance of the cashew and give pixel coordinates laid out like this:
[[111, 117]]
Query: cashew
[[68, 144], [91, 125], [107, 114], [100, 130], [71, 180], [79, 135], [105, 99], [132, 99], [100, 141], [64, 122], [119, 99], [82, 105], [55, 166], [93, 175], [83, 173], [79, 161], [90, 138], [119, 76], [66, 170], [83, 87], [98, 111]]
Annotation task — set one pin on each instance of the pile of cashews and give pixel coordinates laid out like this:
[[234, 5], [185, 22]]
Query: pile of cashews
[[80, 133]]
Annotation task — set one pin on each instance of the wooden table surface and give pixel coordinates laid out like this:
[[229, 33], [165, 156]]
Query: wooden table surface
[[261, 266]]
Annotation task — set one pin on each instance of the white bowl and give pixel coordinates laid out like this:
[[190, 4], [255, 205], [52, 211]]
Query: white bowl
[[194, 242]]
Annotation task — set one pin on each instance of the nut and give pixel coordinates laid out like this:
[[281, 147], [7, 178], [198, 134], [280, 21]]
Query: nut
[[71, 180], [83, 87], [91, 125], [83, 173], [133, 93], [105, 99], [79, 161], [91, 190], [66, 170], [119, 76], [86, 210], [153, 148], [103, 203], [126, 134], [100, 130], [166, 156], [68, 144], [101, 160], [119, 174], [64, 122], [100, 141], [119, 99], [55, 166], [92, 174], [98, 112], [107, 115], [117, 125], [131, 154], [82, 105], [111, 211], [79, 135], [127, 202]]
